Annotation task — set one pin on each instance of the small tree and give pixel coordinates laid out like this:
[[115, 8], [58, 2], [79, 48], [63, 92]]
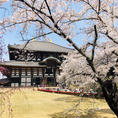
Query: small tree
[[95, 20], [4, 71]]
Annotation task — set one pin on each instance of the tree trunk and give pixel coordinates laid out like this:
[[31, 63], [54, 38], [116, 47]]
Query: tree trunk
[[110, 92]]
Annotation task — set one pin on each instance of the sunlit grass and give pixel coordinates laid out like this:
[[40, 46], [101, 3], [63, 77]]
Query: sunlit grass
[[29, 103]]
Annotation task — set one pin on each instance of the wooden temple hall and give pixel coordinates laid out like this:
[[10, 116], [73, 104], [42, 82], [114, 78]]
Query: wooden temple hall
[[36, 63]]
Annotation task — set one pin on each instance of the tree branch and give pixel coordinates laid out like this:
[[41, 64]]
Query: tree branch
[[49, 11], [94, 43], [72, 21], [111, 38], [33, 8], [94, 10], [114, 52], [99, 6], [36, 38], [30, 20]]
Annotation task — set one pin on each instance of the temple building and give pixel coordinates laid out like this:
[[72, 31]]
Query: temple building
[[34, 63]]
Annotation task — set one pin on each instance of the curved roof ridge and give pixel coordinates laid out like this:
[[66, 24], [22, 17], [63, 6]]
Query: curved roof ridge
[[51, 58], [54, 44], [42, 46]]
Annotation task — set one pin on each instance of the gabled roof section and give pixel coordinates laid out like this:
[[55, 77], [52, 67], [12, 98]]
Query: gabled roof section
[[20, 64], [50, 59], [42, 46]]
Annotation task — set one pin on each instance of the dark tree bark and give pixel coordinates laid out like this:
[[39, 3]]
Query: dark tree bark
[[110, 92]]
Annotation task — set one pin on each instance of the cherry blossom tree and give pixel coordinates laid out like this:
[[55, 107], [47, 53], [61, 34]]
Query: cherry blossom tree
[[90, 22], [1, 41], [2, 49], [77, 72], [2, 44]]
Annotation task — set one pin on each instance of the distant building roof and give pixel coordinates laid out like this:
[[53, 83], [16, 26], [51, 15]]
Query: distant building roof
[[42, 46], [21, 64]]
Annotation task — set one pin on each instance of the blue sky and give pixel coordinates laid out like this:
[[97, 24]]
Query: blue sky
[[14, 37]]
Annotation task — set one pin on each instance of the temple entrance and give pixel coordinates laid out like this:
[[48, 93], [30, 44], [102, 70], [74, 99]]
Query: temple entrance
[[36, 81], [50, 81], [15, 81]]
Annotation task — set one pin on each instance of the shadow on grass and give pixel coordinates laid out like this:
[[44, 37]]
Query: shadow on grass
[[88, 115], [91, 113], [63, 115], [75, 98], [68, 99], [106, 112]]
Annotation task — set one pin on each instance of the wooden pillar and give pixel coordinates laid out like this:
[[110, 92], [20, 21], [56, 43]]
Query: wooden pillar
[[38, 72], [20, 72], [25, 52], [41, 56], [43, 72], [54, 73], [31, 76]]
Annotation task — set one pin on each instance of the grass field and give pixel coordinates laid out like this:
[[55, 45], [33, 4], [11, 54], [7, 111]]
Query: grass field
[[29, 103]]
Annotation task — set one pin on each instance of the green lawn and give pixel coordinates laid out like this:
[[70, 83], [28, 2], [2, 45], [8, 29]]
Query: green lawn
[[29, 103]]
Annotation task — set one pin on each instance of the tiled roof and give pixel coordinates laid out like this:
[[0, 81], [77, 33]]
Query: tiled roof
[[21, 64], [42, 46]]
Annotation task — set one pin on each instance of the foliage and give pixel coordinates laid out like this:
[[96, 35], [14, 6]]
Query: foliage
[[4, 71], [2, 49], [75, 68]]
